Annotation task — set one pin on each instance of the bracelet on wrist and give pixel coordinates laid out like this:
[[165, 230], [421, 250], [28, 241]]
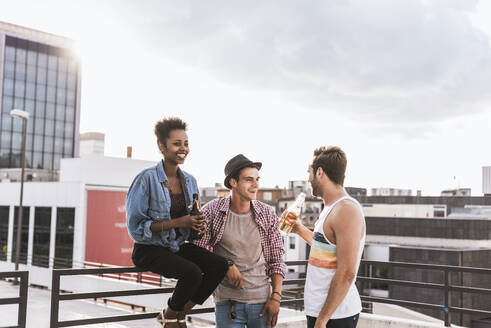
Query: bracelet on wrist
[[281, 296], [274, 299]]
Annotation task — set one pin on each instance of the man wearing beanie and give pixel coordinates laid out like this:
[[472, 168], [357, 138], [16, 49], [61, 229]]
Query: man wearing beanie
[[245, 231]]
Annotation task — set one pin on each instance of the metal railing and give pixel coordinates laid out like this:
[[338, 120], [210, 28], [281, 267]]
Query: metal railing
[[21, 300], [139, 277], [56, 297], [445, 287], [42, 260]]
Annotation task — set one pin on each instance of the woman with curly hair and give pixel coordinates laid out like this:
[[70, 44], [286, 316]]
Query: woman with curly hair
[[158, 220]]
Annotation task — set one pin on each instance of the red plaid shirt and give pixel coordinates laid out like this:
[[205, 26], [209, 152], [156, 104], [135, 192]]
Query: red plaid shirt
[[215, 213]]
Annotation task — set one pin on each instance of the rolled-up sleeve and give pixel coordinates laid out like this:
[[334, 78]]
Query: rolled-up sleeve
[[274, 256], [137, 219]]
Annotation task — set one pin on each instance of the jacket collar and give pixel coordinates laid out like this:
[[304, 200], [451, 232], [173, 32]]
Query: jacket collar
[[161, 172], [163, 177]]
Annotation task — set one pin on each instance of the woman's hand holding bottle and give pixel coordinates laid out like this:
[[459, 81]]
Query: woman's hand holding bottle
[[194, 222]]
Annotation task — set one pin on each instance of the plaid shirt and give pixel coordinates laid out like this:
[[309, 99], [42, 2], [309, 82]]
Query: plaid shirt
[[215, 213]]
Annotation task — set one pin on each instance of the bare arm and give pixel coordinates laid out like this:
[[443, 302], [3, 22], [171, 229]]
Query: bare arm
[[348, 225], [277, 281], [272, 306], [302, 231]]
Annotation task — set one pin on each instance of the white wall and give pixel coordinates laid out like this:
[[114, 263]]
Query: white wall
[[2, 51], [427, 242], [102, 170], [402, 210], [486, 180], [391, 192], [377, 252], [294, 254], [91, 147], [41, 194]]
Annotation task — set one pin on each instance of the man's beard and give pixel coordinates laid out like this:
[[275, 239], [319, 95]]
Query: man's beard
[[316, 190]]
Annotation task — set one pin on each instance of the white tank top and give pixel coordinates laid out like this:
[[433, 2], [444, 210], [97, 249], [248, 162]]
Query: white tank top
[[321, 268]]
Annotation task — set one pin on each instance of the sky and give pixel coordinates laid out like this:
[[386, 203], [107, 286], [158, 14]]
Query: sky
[[404, 87]]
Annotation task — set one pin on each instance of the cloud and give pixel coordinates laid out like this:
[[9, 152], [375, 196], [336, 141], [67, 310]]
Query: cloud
[[408, 61], [381, 63]]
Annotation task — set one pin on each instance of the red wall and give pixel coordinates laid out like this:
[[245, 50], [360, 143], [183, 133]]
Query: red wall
[[107, 239]]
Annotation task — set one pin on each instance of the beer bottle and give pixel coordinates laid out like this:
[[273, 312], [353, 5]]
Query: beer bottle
[[195, 210], [292, 213]]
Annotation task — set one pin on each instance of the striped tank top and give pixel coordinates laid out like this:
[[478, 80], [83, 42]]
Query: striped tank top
[[321, 269]]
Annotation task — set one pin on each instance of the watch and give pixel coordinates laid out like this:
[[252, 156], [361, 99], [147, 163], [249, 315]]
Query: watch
[[230, 262]]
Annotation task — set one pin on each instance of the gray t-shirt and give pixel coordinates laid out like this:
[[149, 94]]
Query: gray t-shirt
[[242, 244]]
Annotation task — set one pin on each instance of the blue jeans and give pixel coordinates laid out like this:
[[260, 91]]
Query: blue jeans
[[245, 315]]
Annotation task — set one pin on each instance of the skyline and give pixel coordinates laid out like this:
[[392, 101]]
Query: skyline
[[402, 89]]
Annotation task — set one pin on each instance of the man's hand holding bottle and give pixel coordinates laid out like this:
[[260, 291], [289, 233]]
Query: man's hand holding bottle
[[292, 220], [291, 214]]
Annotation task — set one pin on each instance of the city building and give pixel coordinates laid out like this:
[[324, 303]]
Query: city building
[[67, 223], [296, 187], [267, 195], [447, 241], [208, 193], [354, 191], [92, 143], [486, 180], [456, 192], [391, 192], [405, 210], [420, 206], [40, 74]]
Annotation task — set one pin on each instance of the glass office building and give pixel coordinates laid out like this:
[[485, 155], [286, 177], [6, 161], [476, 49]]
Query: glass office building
[[39, 73]]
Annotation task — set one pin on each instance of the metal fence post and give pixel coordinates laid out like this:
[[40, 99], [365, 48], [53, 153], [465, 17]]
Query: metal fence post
[[370, 275], [55, 299], [24, 284], [447, 298]]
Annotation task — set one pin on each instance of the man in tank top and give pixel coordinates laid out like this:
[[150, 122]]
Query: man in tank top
[[245, 232], [331, 297]]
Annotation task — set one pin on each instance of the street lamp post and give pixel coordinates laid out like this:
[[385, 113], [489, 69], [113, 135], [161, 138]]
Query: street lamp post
[[25, 117]]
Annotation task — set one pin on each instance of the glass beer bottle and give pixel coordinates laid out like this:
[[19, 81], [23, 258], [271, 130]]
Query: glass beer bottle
[[292, 213], [195, 210]]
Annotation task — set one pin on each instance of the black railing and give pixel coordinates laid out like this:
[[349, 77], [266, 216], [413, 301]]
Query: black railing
[[56, 297], [445, 287], [44, 261], [21, 300]]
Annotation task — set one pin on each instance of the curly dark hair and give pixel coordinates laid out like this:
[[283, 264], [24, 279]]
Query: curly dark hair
[[166, 125], [333, 162]]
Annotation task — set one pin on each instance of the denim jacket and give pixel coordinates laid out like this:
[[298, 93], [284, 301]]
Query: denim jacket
[[148, 201]]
